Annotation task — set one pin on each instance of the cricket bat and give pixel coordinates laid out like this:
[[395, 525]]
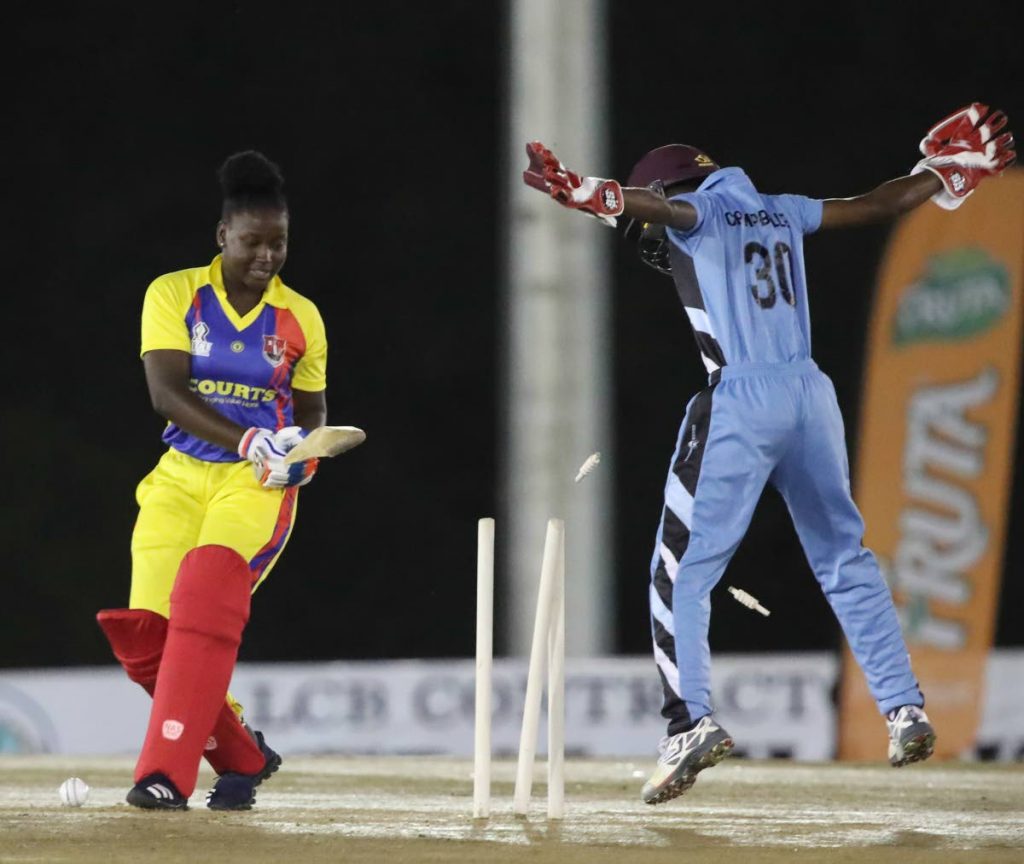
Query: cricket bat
[[326, 441]]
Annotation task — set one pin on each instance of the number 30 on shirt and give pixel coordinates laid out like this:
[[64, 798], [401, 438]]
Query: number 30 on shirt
[[762, 262]]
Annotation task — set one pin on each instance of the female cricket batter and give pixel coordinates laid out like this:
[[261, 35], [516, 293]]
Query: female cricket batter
[[768, 415], [236, 362]]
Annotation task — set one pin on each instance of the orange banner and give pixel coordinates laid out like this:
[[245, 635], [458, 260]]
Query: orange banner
[[935, 452]]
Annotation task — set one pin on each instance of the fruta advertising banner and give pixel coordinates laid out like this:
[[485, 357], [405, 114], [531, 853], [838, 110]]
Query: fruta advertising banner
[[935, 451]]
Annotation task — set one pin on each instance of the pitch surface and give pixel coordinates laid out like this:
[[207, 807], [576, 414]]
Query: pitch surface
[[418, 809]]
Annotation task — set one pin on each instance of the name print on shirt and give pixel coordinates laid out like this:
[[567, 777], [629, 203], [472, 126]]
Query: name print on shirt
[[735, 218]]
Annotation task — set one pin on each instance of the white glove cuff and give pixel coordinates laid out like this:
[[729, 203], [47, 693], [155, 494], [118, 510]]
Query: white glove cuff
[[942, 198]]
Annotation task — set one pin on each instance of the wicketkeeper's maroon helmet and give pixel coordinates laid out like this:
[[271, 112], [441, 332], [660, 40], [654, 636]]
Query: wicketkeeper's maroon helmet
[[670, 164], [657, 170]]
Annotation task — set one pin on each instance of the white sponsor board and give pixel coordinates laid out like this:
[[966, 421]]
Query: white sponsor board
[[612, 705], [1001, 735], [774, 705]]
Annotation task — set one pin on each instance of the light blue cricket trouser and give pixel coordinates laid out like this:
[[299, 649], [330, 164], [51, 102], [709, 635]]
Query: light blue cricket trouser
[[760, 423]]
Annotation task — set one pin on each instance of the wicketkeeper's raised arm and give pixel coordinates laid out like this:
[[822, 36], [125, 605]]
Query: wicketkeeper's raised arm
[[603, 199], [959, 152], [882, 203]]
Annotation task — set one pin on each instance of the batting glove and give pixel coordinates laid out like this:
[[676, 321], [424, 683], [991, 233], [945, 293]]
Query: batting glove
[[964, 149], [599, 198], [285, 440], [260, 447], [256, 443], [288, 438]]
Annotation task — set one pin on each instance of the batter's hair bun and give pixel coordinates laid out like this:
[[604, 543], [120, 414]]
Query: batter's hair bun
[[250, 181]]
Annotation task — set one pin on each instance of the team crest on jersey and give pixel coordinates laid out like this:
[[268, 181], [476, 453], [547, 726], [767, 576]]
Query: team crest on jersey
[[200, 345], [274, 349]]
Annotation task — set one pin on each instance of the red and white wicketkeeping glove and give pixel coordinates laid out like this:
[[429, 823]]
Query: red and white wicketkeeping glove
[[964, 149], [599, 198]]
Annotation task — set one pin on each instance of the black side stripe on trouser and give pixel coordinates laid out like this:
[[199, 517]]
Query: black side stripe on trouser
[[691, 453], [673, 708], [675, 536]]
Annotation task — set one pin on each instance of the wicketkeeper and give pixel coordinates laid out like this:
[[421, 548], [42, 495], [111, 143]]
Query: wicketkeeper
[[768, 413]]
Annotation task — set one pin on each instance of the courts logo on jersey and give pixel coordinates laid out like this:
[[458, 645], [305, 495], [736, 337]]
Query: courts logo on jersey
[[274, 349], [200, 345], [963, 292]]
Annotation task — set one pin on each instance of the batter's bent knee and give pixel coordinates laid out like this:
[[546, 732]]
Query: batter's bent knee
[[137, 637]]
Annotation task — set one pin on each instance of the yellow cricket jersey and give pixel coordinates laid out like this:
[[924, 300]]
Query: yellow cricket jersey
[[243, 366]]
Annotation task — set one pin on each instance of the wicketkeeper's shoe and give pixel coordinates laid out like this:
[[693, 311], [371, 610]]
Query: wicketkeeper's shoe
[[238, 791], [911, 736], [683, 757], [156, 792]]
